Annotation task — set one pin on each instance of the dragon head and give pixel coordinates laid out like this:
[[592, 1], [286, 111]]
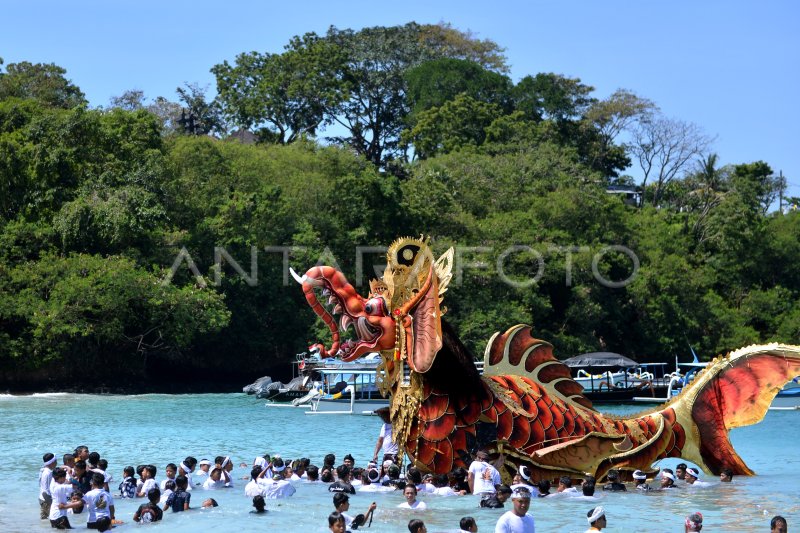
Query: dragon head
[[401, 315]]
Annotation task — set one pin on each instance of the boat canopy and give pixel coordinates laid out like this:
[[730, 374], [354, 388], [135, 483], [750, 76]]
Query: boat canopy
[[599, 359]]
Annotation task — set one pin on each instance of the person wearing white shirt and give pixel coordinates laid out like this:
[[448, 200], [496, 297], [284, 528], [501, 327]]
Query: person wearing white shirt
[[217, 479], [60, 491], [410, 494], [185, 469], [279, 488], [149, 481], [100, 504], [171, 471], [482, 476], [517, 520], [385, 443], [257, 484], [45, 477]]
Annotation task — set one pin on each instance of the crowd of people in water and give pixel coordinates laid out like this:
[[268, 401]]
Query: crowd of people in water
[[83, 483]]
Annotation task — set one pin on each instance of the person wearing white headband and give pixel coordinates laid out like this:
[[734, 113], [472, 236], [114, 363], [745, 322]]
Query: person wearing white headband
[[596, 518], [640, 478], [517, 520], [691, 478], [523, 479], [667, 480], [185, 469], [49, 462]]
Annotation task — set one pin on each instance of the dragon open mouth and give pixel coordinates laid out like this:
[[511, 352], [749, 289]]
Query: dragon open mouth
[[361, 335]]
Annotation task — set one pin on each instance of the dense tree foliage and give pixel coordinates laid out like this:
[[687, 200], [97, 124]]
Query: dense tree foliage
[[130, 243]]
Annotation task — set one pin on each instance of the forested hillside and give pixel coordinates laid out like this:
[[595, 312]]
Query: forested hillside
[[113, 219]]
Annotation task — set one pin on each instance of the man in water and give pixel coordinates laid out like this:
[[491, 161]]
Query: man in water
[[482, 476], [385, 444], [694, 522], [667, 480], [778, 525], [640, 478], [680, 471], [726, 475], [596, 518], [613, 482], [517, 520]]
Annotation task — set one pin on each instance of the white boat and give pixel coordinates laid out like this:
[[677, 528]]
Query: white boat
[[788, 399], [684, 375], [347, 391]]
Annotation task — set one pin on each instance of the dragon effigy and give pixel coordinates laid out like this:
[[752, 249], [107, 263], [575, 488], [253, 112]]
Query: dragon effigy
[[525, 407]]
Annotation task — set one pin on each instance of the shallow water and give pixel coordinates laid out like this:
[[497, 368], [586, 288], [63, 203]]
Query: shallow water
[[158, 429]]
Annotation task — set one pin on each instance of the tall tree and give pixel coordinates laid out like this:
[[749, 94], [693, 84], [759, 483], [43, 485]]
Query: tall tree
[[552, 96], [44, 82], [664, 148], [284, 95], [433, 83]]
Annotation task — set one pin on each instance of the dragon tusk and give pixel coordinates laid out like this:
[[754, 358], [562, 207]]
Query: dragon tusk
[[297, 278]]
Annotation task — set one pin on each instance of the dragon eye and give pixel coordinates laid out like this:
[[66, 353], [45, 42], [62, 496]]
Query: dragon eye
[[375, 307]]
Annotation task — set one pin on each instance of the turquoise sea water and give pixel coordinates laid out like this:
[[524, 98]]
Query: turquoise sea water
[[158, 429]]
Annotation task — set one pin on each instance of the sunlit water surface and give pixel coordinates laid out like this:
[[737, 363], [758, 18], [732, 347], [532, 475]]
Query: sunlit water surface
[[159, 429]]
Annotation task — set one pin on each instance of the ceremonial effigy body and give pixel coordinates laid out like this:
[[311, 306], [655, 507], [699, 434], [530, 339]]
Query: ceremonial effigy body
[[525, 408]]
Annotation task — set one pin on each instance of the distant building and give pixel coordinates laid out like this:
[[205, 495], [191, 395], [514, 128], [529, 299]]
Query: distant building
[[630, 195], [243, 136]]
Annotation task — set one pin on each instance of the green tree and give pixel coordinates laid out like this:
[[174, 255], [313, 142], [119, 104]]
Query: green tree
[[287, 95], [433, 83], [458, 123], [44, 82], [552, 96]]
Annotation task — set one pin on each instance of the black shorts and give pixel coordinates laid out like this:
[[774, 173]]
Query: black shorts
[[62, 522], [102, 524]]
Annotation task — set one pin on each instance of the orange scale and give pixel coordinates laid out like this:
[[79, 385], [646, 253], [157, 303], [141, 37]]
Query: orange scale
[[569, 423], [521, 432], [545, 416], [651, 425], [491, 415], [443, 460], [433, 408], [469, 411], [459, 440], [439, 429], [427, 452], [500, 407], [505, 425], [466, 429], [551, 435], [537, 433], [529, 404], [558, 417]]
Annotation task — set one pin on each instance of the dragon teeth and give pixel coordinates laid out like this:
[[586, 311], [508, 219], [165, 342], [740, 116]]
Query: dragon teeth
[[337, 310], [345, 322]]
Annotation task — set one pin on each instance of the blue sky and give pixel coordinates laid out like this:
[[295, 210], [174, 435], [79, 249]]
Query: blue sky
[[732, 67]]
